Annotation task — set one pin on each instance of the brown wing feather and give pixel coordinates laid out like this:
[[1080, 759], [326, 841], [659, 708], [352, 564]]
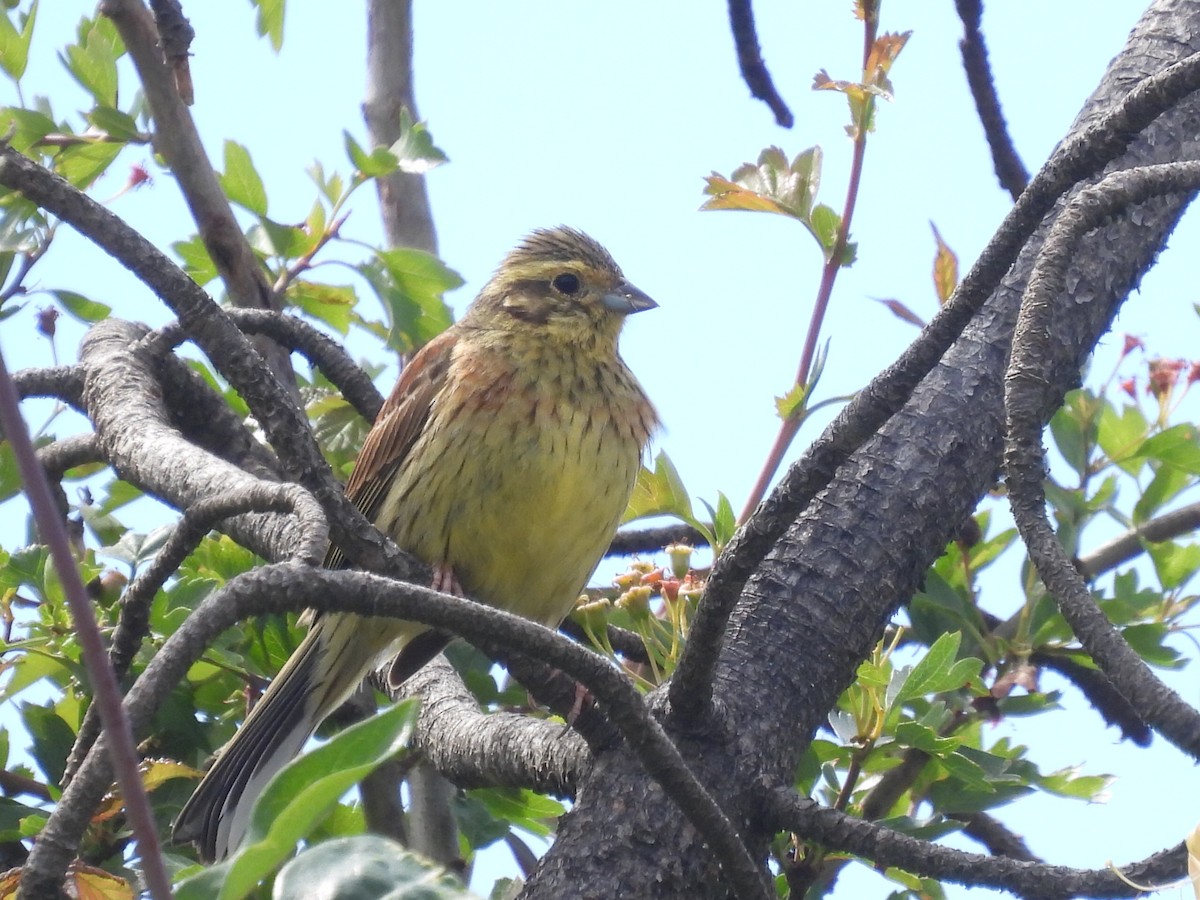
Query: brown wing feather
[[397, 428]]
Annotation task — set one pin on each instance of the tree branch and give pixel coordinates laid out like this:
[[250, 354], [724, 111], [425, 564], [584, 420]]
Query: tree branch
[[1030, 394], [1032, 881], [1080, 155], [1009, 168], [176, 139], [284, 587], [750, 61]]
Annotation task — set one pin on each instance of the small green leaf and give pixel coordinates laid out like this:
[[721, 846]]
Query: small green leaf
[[938, 672], [771, 185], [113, 122], [241, 182], [285, 241], [270, 21], [377, 163], [415, 151], [26, 126], [195, 260], [93, 60], [81, 308], [520, 807], [329, 303], [1120, 435], [659, 492], [1177, 446], [84, 163], [14, 44], [792, 403], [410, 283], [724, 521]]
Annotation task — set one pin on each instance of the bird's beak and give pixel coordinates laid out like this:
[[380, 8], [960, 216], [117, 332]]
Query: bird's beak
[[626, 299]]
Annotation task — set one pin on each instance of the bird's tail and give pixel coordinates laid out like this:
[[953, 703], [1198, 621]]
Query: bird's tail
[[334, 657]]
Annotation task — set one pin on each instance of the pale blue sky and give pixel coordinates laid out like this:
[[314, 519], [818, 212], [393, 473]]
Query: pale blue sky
[[606, 117]]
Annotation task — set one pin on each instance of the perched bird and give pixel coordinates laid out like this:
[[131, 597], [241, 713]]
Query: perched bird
[[503, 458]]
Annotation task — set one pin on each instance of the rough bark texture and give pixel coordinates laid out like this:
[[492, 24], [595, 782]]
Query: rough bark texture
[[821, 599]]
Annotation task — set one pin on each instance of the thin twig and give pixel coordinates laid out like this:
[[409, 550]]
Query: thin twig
[[105, 691]]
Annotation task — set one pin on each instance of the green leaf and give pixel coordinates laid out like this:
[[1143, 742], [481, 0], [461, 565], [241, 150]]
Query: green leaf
[[1167, 482], [938, 672], [1120, 436], [1178, 446], [366, 867], [84, 163], [241, 182], [93, 60], [375, 164], [14, 44], [298, 798], [520, 807], [27, 127], [329, 303], [270, 21], [410, 284], [195, 260], [771, 185], [10, 475], [81, 308], [921, 737], [113, 122], [273, 239], [1174, 563], [1070, 783], [659, 492], [724, 521], [415, 151]]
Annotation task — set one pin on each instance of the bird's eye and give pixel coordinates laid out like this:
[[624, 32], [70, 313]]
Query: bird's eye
[[566, 283]]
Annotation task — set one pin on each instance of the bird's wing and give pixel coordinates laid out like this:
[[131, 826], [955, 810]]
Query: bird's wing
[[397, 428]]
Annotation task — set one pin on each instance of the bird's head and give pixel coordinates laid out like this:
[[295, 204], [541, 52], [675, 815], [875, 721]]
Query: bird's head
[[561, 283]]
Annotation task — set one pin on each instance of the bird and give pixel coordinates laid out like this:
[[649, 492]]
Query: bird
[[503, 458]]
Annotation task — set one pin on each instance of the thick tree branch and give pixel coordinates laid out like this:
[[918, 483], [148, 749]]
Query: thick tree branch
[[1030, 396], [176, 139], [1080, 155], [228, 349], [283, 587]]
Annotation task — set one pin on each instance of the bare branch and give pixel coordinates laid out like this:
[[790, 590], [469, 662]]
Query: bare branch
[[1125, 547], [754, 70], [1032, 881], [1009, 168], [1029, 398]]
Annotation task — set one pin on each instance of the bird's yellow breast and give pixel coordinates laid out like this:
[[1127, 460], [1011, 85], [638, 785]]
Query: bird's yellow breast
[[520, 499]]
